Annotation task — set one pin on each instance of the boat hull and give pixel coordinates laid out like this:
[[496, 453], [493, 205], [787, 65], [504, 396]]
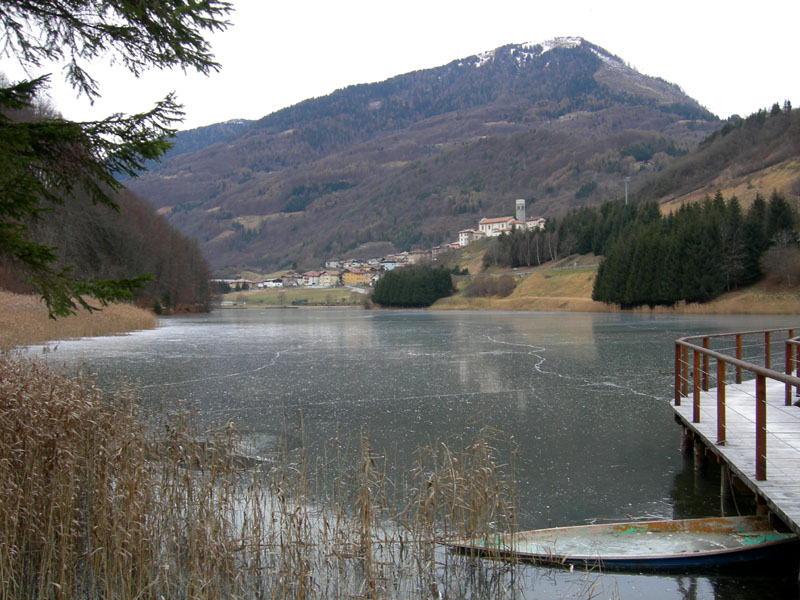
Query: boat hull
[[679, 545]]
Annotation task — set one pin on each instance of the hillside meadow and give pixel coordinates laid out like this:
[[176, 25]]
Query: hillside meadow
[[570, 289]]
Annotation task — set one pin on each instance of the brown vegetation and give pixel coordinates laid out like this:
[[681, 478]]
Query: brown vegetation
[[24, 320], [756, 155], [96, 503], [783, 177], [489, 286]]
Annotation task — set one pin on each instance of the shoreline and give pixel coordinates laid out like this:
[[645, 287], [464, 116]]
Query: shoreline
[[24, 321], [559, 304]]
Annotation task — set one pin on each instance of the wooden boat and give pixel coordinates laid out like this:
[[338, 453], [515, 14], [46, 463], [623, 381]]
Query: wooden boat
[[646, 545]]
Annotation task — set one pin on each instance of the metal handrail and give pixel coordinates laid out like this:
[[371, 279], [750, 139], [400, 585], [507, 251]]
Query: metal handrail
[[702, 354]]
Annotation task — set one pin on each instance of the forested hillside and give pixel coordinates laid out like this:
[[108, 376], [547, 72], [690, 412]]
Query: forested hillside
[[734, 155], [410, 161], [99, 243]]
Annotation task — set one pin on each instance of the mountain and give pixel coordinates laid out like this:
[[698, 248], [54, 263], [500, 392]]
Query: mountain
[[411, 160]]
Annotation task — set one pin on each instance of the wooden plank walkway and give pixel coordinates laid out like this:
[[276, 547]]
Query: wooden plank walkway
[[781, 489]]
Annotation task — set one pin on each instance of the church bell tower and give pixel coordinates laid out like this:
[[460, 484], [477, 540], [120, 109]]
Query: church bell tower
[[520, 210]]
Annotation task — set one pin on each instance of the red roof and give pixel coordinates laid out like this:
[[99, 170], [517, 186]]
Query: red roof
[[497, 220]]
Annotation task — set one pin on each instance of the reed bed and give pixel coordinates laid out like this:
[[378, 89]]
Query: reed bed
[[24, 320], [97, 501]]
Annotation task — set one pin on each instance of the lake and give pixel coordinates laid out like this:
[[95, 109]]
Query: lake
[[584, 398]]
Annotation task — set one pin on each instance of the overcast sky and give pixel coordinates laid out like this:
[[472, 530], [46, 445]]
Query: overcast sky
[[731, 56]]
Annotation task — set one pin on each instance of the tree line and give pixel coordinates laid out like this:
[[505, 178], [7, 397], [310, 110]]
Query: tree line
[[694, 254], [413, 287]]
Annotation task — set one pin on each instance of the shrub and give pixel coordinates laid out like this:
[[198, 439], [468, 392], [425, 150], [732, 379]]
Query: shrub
[[485, 287]]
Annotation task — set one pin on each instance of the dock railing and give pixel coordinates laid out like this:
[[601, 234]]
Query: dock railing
[[750, 354]]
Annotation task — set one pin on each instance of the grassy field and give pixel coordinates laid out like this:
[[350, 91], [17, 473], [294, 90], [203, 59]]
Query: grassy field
[[24, 320], [340, 296], [571, 290]]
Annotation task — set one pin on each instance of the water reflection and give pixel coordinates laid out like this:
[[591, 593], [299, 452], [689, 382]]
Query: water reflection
[[584, 397]]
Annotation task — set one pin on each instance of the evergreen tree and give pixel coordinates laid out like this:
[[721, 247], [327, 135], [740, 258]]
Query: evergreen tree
[[780, 216], [413, 287], [45, 160], [755, 239], [733, 248]]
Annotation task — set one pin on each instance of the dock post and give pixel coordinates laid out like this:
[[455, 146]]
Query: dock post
[[696, 386], [788, 370], [677, 397], [767, 352], [761, 505], [700, 460], [721, 403], [761, 427], [687, 442], [725, 488], [684, 371], [739, 357]]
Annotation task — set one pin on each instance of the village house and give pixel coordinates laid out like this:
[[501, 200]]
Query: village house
[[329, 279], [269, 283], [467, 236], [292, 280], [416, 257], [535, 223], [311, 278], [353, 276]]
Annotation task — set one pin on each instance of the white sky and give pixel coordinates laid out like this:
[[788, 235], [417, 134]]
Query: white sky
[[731, 56]]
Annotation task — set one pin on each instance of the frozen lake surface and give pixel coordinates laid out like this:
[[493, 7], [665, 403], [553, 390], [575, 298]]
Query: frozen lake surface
[[585, 397]]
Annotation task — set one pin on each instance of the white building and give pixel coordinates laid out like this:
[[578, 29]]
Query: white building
[[496, 226], [535, 223], [467, 236]]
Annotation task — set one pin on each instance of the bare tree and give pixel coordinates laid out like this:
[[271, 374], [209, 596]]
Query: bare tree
[[782, 259]]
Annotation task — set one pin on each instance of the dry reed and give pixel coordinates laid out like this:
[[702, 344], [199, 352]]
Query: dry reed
[[24, 320], [96, 503]]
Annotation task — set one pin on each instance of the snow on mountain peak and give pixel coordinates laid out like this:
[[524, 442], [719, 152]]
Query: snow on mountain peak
[[559, 42], [522, 52], [483, 58]]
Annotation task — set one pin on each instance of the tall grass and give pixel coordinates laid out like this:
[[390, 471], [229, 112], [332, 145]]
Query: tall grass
[[24, 320], [98, 502]]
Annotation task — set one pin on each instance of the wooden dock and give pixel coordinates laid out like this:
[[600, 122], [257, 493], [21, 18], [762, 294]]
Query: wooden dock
[[780, 490]]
